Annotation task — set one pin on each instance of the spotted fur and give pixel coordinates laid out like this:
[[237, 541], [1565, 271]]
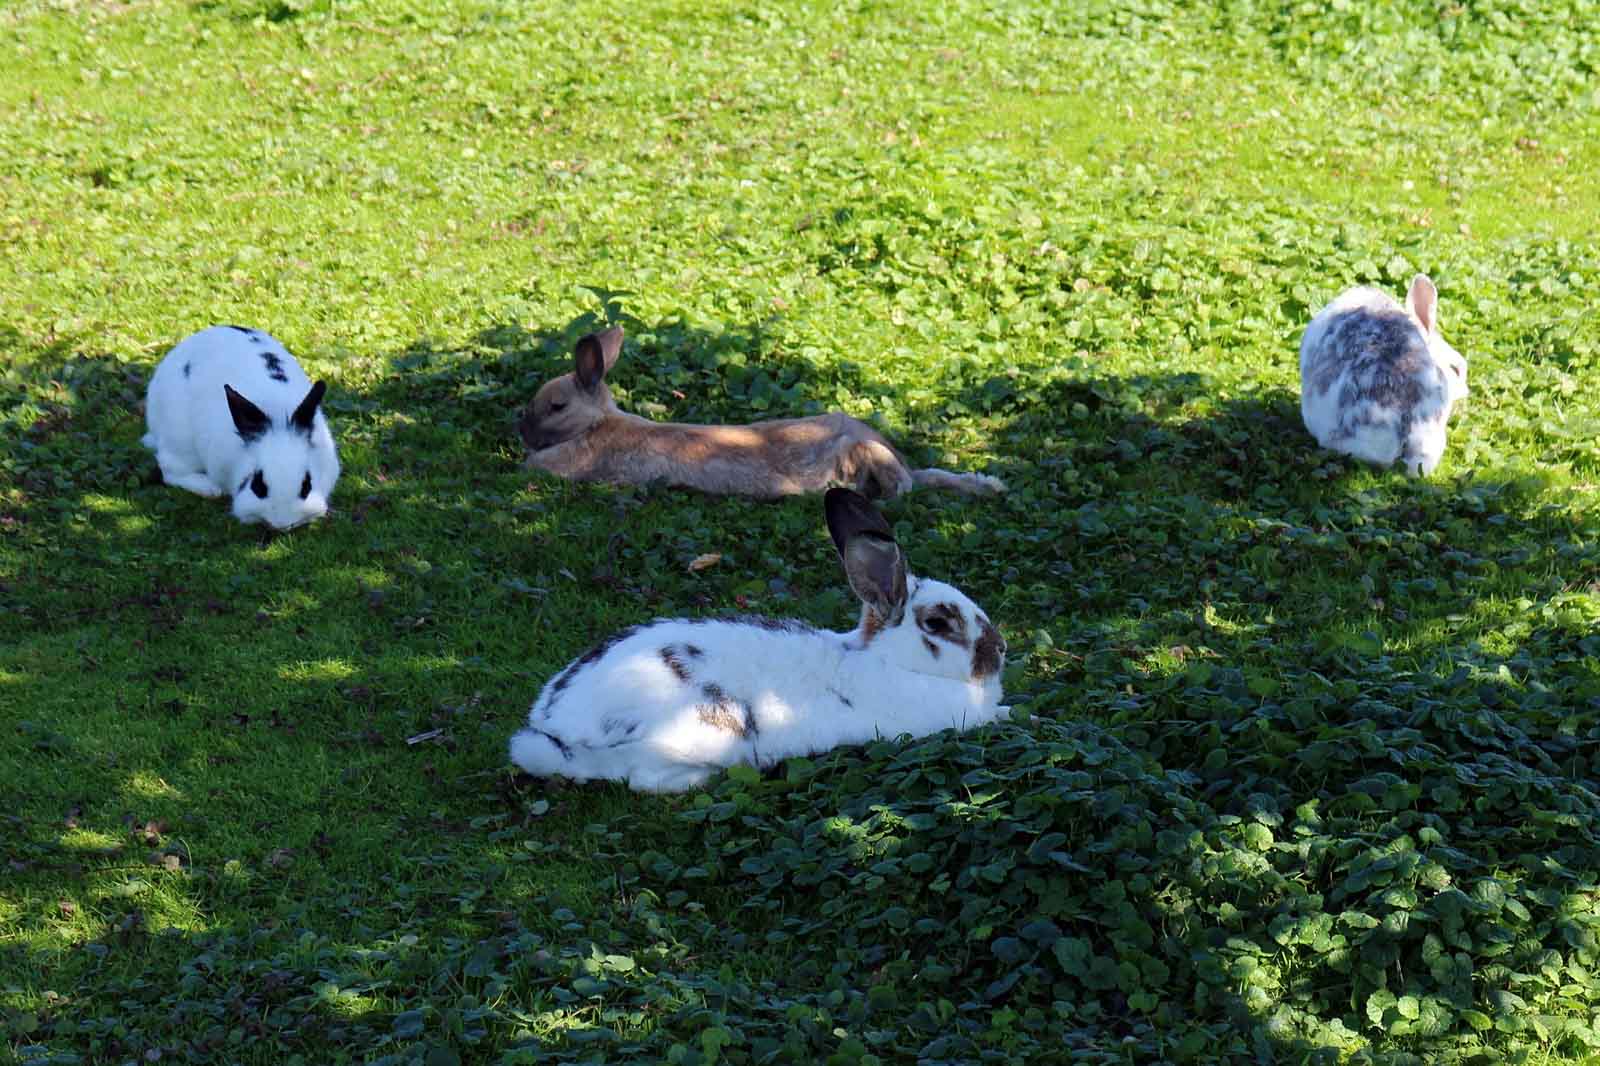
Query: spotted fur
[[665, 704], [872, 623], [944, 621], [230, 412], [274, 365], [721, 711], [680, 670], [588, 658], [1377, 381], [988, 655]]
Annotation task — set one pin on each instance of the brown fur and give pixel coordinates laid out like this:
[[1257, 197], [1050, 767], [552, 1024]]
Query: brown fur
[[871, 625], [574, 429], [724, 713], [680, 669], [988, 655], [945, 621]]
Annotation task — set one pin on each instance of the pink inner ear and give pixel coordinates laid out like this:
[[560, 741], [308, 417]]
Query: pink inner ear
[[1422, 301]]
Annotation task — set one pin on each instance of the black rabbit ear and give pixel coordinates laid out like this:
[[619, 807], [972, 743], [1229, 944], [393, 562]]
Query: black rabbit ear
[[301, 419], [873, 562], [249, 421], [849, 513], [595, 355]]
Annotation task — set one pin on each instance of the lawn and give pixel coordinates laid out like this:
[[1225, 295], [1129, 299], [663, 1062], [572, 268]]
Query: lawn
[[1305, 760]]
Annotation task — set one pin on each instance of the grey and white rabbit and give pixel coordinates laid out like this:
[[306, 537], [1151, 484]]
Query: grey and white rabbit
[[574, 429], [1377, 381], [664, 705], [231, 413]]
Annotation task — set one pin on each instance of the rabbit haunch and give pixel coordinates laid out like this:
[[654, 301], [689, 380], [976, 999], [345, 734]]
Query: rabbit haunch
[[574, 429], [665, 704], [231, 413], [1377, 381]]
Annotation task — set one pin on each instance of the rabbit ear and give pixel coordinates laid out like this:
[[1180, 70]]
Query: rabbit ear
[[596, 354], [848, 513], [1423, 301], [249, 421], [873, 562], [301, 419]]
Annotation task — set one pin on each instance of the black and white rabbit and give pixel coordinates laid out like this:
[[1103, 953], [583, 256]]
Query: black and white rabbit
[[1377, 381], [664, 705], [231, 413]]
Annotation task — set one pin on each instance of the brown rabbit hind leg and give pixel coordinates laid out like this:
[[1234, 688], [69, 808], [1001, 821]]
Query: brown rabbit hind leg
[[874, 470]]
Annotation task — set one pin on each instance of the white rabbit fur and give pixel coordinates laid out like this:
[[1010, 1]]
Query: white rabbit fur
[[664, 705], [230, 412], [1377, 381]]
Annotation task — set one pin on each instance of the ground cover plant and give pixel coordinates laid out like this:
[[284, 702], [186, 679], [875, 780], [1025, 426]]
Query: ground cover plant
[[1304, 762]]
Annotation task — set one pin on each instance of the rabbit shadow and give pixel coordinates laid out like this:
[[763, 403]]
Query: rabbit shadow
[[476, 391], [672, 371], [1081, 450], [1129, 487], [76, 420], [1151, 499], [1114, 464]]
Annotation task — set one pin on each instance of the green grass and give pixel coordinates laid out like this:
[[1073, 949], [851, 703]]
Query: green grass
[[1312, 772]]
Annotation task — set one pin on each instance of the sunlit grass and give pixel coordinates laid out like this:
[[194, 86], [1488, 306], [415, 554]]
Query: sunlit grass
[[1074, 246]]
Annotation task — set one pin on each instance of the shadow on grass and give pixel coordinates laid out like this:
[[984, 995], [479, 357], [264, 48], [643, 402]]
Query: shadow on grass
[[1260, 637]]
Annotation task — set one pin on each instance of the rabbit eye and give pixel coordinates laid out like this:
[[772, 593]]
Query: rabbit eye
[[558, 406], [945, 621], [258, 485], [305, 485]]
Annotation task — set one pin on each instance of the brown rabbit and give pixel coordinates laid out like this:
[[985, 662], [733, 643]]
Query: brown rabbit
[[573, 428]]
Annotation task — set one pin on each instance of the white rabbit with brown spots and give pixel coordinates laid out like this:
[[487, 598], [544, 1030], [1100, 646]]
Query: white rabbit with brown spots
[[664, 705], [574, 429], [1377, 381]]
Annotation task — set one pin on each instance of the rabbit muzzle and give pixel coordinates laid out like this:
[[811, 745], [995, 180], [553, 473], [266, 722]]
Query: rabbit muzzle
[[988, 653]]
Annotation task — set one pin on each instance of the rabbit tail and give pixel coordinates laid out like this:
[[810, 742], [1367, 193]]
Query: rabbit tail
[[541, 753], [544, 754]]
